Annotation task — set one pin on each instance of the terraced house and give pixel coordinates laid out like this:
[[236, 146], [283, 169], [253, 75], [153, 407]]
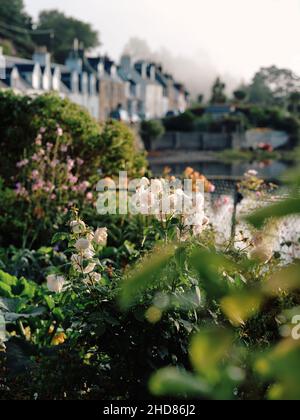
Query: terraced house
[[130, 91]]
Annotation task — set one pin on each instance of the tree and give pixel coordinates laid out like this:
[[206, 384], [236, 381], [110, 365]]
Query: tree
[[65, 30], [150, 131], [218, 92], [259, 92], [200, 99], [272, 85], [240, 95], [15, 26], [294, 102]]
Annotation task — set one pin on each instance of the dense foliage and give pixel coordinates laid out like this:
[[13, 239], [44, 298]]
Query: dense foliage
[[65, 30], [244, 117], [137, 306], [55, 154], [137, 319], [55, 30]]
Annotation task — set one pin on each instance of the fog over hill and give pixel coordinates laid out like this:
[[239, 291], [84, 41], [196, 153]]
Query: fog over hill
[[196, 72]]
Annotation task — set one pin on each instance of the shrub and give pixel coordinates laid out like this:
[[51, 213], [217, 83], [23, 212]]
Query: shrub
[[22, 118], [118, 151], [183, 122], [150, 131]]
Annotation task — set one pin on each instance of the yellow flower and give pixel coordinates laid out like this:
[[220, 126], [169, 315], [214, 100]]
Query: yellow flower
[[58, 339], [51, 329]]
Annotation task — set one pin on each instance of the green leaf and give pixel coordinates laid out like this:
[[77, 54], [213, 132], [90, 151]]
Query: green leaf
[[174, 382], [239, 307], [145, 275], [24, 288], [5, 290], [50, 302], [58, 314], [12, 317], [8, 278], [210, 266], [285, 280], [281, 366], [58, 237], [208, 350], [284, 208]]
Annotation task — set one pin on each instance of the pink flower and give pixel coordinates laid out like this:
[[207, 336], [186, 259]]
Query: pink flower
[[38, 185], [64, 148], [54, 163], [41, 152], [22, 163], [59, 131], [70, 164], [53, 197], [43, 130], [35, 174], [38, 140], [49, 146], [212, 188], [72, 179], [89, 196], [35, 157], [80, 162], [20, 190], [84, 186]]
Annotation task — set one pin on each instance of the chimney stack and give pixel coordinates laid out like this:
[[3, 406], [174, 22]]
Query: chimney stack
[[42, 57]]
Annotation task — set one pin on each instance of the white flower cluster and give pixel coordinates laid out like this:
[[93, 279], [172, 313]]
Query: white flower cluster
[[3, 335], [83, 261], [165, 200]]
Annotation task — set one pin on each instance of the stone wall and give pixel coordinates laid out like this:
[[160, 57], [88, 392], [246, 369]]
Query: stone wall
[[193, 141]]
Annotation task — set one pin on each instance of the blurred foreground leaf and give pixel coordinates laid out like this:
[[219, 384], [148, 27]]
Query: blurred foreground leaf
[[210, 266], [282, 367], [239, 307], [171, 381], [284, 208], [209, 348], [146, 275], [285, 280]]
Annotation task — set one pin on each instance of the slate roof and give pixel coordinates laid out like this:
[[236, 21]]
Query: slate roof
[[25, 68]]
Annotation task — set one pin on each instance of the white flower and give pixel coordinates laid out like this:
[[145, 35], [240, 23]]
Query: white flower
[[157, 186], [82, 244], [79, 264], [77, 226], [262, 247], [95, 277], [90, 236], [144, 201], [55, 283], [144, 182], [251, 172], [89, 253], [3, 336], [101, 236]]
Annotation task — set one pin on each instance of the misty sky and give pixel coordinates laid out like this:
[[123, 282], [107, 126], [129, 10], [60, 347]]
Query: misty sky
[[235, 37]]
